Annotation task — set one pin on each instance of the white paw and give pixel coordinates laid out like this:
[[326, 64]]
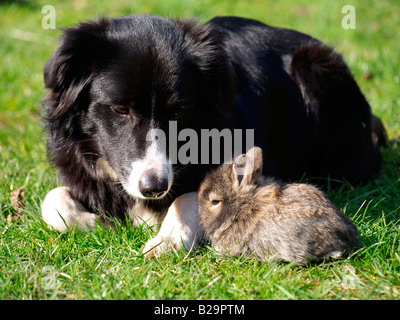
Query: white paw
[[180, 229], [61, 212], [158, 245]]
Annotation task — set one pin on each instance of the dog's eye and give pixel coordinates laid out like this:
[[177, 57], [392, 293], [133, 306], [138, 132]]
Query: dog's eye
[[175, 115], [215, 202], [178, 112], [120, 110]]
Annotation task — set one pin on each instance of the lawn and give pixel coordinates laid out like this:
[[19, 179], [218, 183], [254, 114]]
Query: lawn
[[38, 263]]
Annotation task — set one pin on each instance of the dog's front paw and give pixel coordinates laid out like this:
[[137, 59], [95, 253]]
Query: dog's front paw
[[180, 230], [159, 244]]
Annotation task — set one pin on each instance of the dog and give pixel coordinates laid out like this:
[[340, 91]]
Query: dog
[[115, 83]]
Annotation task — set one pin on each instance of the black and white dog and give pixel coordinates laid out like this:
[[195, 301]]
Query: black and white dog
[[114, 82]]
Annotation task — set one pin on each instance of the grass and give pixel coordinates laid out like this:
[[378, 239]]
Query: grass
[[38, 263]]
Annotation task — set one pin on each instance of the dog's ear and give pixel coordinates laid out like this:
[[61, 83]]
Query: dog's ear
[[71, 68], [247, 168], [218, 79]]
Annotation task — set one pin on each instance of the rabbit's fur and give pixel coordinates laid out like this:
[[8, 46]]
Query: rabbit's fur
[[244, 213]]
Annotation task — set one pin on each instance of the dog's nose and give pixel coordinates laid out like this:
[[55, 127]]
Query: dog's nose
[[151, 186]]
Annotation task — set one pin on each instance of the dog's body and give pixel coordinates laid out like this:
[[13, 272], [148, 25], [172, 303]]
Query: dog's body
[[114, 82]]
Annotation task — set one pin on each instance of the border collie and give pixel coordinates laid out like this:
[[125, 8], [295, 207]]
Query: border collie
[[112, 82]]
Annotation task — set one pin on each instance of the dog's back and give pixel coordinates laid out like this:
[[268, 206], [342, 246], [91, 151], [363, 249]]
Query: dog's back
[[298, 94]]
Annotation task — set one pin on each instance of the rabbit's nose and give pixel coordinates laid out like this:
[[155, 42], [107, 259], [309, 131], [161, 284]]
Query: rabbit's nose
[[152, 186]]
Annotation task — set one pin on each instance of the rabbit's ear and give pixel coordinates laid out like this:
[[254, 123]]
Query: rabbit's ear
[[248, 167]]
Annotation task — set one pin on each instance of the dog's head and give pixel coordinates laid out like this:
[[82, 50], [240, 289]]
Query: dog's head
[[114, 85]]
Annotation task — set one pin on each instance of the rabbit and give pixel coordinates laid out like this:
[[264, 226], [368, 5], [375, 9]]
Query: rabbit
[[244, 213]]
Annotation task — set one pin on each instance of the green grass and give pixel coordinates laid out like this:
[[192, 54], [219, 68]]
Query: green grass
[[37, 263]]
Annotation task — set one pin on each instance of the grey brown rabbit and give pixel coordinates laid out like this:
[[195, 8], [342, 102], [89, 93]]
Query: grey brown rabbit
[[244, 213]]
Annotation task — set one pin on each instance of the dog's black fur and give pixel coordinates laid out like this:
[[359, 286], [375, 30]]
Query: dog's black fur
[[308, 113]]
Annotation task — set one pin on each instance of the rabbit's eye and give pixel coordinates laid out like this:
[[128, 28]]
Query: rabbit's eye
[[215, 202], [214, 199]]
